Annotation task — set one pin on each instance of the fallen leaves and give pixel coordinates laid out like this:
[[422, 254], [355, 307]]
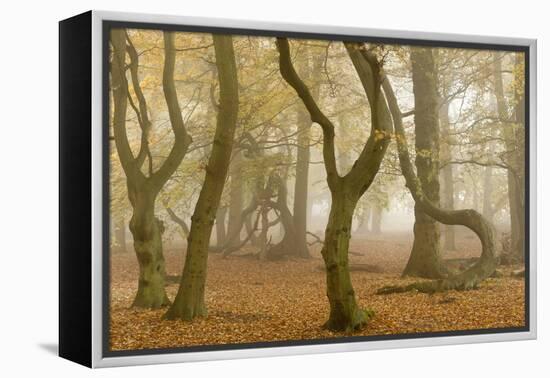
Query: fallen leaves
[[255, 301]]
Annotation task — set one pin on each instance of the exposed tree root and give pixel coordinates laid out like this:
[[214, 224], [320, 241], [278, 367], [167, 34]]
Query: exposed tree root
[[487, 262], [369, 268], [468, 280], [360, 320]]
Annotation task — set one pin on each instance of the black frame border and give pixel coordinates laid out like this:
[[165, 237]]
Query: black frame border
[[75, 189], [107, 25]]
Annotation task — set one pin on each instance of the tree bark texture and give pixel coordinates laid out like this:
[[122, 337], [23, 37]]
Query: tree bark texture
[[486, 264], [345, 314], [425, 260], [189, 302], [146, 229]]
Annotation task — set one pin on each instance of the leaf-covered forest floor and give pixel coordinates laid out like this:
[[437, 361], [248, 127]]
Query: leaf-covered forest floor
[[256, 301]]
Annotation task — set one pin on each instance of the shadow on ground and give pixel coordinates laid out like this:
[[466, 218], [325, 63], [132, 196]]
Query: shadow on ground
[[51, 348]]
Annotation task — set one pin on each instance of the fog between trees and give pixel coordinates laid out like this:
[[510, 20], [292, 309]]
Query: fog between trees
[[288, 149]]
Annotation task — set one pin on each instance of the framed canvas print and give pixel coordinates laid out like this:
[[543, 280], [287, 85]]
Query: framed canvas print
[[234, 189]]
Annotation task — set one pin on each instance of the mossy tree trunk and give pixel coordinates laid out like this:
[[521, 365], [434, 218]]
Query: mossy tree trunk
[[425, 260], [147, 232], [189, 302], [345, 313], [486, 264], [143, 189]]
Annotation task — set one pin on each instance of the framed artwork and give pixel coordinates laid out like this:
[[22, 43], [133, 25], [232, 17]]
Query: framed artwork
[[235, 188]]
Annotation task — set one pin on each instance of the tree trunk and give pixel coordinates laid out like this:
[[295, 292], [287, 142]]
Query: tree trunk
[[519, 118], [513, 144], [487, 209], [301, 188], [486, 264], [235, 222], [189, 302], [290, 243], [147, 232], [365, 221], [301, 183], [377, 214], [220, 226], [448, 192], [263, 234], [142, 191], [180, 222], [425, 260], [345, 314], [120, 234], [250, 231]]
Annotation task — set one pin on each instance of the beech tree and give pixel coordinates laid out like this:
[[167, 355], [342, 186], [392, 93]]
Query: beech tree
[[511, 119], [447, 173], [425, 258], [303, 121], [346, 191], [143, 189], [292, 156], [486, 264], [189, 301]]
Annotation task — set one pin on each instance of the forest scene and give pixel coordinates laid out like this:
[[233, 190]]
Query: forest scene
[[270, 189]]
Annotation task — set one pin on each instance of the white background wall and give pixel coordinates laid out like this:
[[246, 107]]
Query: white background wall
[[28, 185]]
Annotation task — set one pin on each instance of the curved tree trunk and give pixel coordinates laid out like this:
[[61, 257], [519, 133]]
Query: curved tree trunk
[[180, 222], [290, 245], [425, 260], [345, 314], [233, 240], [143, 190], [189, 301], [486, 264], [251, 231]]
